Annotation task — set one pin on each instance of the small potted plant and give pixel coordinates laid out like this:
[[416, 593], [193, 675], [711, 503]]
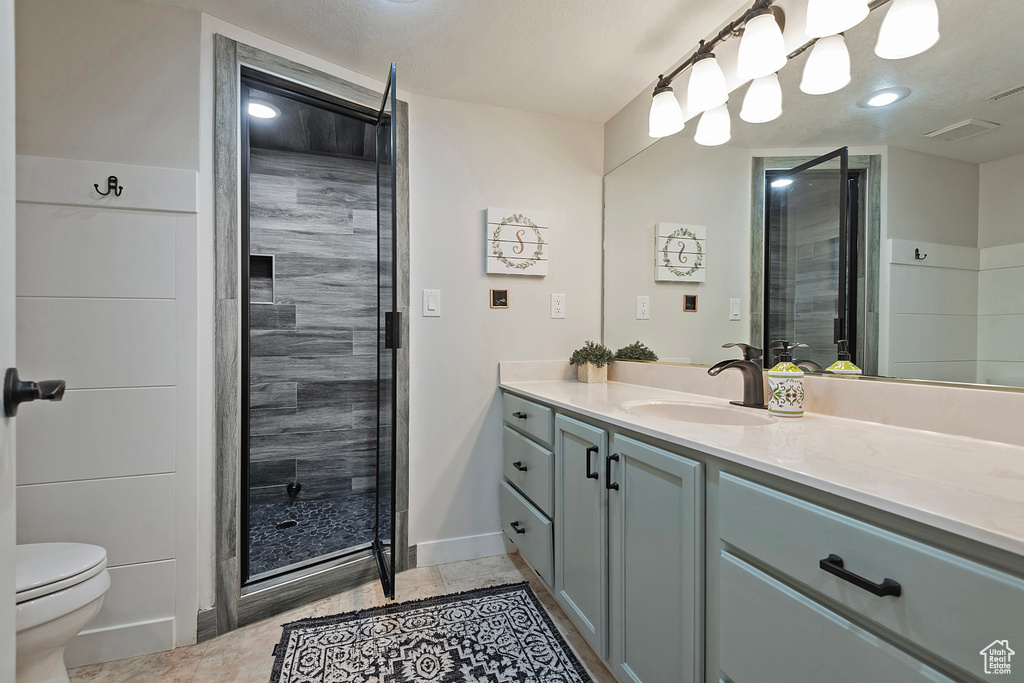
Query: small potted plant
[[591, 362], [636, 351]]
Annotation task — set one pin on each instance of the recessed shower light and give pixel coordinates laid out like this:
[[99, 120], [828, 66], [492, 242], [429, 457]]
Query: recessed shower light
[[782, 182], [883, 98], [263, 110]]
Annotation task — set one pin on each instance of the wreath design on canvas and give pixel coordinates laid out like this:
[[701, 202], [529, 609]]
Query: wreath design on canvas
[[698, 259], [516, 220]]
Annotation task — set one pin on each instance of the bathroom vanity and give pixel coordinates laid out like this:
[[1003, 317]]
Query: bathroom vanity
[[690, 540]]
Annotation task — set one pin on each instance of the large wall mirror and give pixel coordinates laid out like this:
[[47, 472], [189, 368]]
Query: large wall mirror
[[897, 228]]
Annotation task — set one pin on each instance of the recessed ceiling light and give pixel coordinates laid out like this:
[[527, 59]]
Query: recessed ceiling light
[[782, 182], [263, 110], [883, 98]]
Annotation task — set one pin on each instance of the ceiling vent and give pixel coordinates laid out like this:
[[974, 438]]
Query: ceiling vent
[[1004, 94], [962, 130]]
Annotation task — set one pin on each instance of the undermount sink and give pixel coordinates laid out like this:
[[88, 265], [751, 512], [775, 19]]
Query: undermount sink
[[700, 413]]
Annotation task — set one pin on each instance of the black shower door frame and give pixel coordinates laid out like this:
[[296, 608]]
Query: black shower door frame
[[284, 88]]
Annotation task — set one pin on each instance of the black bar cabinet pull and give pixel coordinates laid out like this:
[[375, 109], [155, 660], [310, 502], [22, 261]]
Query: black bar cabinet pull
[[521, 416], [833, 564], [518, 464], [516, 528], [591, 475], [608, 483]]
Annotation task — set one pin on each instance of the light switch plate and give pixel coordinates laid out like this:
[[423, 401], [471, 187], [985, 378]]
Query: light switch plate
[[734, 309], [558, 305], [643, 308], [431, 303]]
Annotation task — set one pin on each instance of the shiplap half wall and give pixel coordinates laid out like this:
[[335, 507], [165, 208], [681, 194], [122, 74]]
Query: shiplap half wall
[[106, 292]]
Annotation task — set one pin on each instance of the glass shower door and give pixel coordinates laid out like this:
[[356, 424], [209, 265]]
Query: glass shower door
[[810, 258], [389, 335]]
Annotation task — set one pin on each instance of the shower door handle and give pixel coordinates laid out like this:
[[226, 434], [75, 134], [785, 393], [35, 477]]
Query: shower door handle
[[392, 327]]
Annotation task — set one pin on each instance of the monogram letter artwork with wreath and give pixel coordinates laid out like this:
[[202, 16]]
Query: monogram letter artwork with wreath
[[679, 252], [517, 242]]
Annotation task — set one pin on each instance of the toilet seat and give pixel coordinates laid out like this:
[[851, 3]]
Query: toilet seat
[[46, 568]]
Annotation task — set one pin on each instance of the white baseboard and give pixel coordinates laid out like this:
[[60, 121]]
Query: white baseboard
[[118, 642], [462, 548]]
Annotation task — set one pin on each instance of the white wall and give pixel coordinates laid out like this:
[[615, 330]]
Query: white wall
[[679, 181], [465, 158], [7, 459], [932, 199], [1001, 203]]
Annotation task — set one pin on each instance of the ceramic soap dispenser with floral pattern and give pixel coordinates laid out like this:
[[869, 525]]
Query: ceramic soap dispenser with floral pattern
[[844, 366], [786, 382]]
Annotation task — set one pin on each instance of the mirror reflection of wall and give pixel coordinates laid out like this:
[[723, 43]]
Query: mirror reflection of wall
[[936, 281]]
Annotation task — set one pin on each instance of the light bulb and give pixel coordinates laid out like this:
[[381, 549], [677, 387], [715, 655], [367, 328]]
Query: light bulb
[[666, 116], [714, 127], [707, 88], [829, 17], [910, 27], [827, 68], [263, 110], [762, 49], [763, 101]]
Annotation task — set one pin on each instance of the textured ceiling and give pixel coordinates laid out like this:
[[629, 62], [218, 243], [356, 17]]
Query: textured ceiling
[[575, 58]]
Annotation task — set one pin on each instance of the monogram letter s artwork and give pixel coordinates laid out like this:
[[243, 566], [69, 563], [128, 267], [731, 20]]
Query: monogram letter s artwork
[[680, 252], [517, 242]]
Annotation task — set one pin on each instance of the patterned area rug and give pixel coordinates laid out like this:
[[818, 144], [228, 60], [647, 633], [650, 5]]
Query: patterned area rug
[[491, 635]]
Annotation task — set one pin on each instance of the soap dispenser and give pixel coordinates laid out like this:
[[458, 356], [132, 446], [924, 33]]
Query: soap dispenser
[[786, 383], [844, 366]]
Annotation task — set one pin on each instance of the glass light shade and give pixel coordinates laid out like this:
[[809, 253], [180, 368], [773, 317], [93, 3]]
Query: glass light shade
[[714, 127], [829, 17], [910, 27], [707, 88], [666, 115], [263, 110], [827, 68], [762, 49], [763, 101]]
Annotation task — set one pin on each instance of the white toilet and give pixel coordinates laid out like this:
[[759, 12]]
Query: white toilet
[[60, 588]]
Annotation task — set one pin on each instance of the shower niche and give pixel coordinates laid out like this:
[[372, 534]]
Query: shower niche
[[318, 272]]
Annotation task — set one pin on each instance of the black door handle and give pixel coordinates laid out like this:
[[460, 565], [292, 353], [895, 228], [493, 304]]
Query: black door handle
[[594, 474], [833, 564], [608, 483], [521, 416], [17, 392], [516, 528], [518, 464]]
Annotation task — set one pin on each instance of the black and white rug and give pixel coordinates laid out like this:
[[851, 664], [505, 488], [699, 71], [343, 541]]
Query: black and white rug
[[491, 635]]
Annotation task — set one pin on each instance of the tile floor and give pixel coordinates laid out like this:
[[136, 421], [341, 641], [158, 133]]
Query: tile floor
[[245, 655]]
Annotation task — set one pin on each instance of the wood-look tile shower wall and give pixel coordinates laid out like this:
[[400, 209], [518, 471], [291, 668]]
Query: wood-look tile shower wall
[[313, 362]]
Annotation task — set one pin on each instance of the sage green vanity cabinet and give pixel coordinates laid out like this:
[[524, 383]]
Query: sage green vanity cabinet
[[581, 528], [656, 560]]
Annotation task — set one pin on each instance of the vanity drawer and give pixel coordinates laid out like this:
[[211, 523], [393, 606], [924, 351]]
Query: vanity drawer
[[769, 633], [948, 605], [530, 418], [530, 468], [534, 536]]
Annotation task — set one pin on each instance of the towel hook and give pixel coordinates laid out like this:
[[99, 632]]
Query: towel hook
[[112, 186], [917, 255]]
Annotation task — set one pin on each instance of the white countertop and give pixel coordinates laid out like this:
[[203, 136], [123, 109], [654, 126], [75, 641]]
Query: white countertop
[[969, 487]]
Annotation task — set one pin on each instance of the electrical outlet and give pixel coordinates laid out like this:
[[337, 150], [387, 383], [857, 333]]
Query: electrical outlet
[[734, 309], [643, 308], [431, 303], [558, 305]]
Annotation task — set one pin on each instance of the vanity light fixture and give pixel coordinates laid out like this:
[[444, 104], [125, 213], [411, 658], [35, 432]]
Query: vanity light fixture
[[762, 48], [714, 127], [828, 67], [707, 88], [910, 27], [829, 17], [666, 114], [763, 101], [263, 110]]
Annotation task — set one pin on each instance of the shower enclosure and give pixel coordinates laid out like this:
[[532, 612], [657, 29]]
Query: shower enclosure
[[319, 328]]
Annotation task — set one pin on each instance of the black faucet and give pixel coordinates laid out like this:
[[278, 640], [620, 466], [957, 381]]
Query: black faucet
[[750, 368]]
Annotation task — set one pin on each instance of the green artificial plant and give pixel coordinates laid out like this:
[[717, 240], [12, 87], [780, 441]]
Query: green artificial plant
[[636, 351], [591, 352]]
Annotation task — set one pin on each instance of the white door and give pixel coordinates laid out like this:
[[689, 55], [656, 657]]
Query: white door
[[6, 335]]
